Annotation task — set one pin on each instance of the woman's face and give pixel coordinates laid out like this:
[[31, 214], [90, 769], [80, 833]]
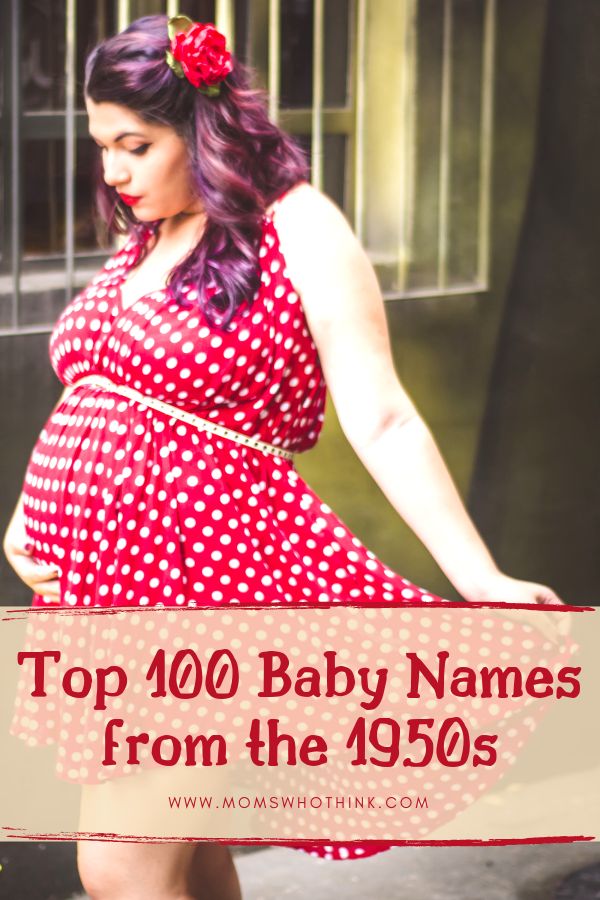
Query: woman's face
[[148, 164]]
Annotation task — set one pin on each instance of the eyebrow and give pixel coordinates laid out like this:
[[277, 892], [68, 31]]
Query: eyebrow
[[123, 135]]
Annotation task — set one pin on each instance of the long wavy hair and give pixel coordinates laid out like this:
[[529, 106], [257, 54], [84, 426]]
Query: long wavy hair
[[240, 160]]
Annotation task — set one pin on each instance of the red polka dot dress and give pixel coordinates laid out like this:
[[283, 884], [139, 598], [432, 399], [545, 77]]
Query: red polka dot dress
[[137, 508]]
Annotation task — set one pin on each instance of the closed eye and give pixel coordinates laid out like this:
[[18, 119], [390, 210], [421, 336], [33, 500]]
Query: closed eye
[[139, 151]]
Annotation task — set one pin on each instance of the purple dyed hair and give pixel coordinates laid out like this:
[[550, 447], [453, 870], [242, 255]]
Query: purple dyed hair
[[240, 160]]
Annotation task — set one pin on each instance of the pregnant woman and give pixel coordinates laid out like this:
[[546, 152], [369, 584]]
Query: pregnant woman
[[195, 366]]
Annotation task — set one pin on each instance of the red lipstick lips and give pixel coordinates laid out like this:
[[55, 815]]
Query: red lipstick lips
[[128, 199]]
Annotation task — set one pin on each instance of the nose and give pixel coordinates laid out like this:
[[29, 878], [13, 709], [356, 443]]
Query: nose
[[115, 173]]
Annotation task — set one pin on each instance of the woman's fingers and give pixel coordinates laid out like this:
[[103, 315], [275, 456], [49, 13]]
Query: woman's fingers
[[546, 596], [32, 571], [547, 625], [40, 577], [552, 626], [50, 590], [542, 622], [42, 572]]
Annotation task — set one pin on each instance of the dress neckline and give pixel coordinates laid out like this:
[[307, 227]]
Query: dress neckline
[[133, 257], [150, 231]]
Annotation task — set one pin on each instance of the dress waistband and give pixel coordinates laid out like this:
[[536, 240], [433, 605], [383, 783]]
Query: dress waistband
[[102, 381]]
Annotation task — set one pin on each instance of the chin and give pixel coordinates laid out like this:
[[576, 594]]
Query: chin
[[144, 215], [148, 214]]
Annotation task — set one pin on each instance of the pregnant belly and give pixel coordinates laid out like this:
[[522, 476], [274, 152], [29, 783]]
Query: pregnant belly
[[97, 476], [135, 510]]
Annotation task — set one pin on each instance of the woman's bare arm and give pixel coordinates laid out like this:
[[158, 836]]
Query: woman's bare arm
[[346, 316]]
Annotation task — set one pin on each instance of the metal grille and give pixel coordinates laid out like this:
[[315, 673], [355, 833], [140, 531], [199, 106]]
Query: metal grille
[[392, 100], [45, 257], [424, 127], [412, 107]]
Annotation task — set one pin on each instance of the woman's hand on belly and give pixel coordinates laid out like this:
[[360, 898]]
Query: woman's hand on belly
[[40, 577]]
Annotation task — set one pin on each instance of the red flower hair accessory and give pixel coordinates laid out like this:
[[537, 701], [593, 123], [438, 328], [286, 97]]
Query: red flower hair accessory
[[198, 53]]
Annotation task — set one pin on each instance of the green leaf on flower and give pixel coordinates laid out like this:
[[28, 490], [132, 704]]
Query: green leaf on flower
[[211, 90], [175, 65], [177, 24]]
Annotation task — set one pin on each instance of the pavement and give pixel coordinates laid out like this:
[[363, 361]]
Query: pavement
[[514, 872], [519, 872]]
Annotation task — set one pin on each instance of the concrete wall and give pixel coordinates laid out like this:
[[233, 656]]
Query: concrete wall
[[535, 488]]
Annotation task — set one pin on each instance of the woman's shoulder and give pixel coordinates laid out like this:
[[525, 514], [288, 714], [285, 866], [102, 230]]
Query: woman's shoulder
[[312, 229], [301, 201]]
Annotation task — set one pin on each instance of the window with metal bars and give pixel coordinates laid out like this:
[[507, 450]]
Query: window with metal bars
[[391, 99]]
